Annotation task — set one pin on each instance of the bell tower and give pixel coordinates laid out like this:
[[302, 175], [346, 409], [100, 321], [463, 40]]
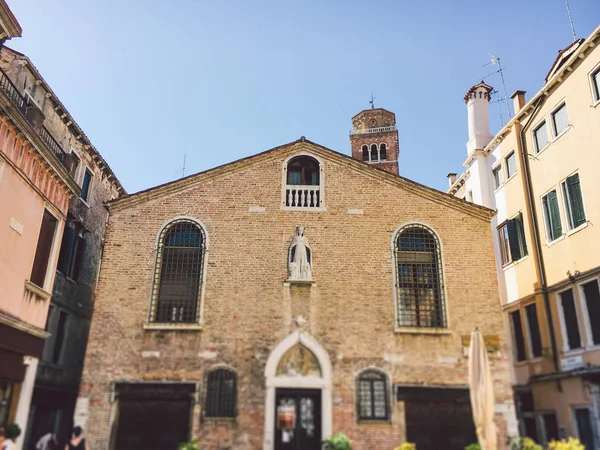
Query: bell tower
[[374, 139]]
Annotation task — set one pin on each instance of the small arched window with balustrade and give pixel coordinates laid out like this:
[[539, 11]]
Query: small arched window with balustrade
[[382, 151], [365, 152], [178, 273], [303, 183], [419, 278]]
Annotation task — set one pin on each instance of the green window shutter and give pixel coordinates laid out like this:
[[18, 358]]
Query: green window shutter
[[576, 200], [555, 223], [513, 239], [521, 233], [66, 250]]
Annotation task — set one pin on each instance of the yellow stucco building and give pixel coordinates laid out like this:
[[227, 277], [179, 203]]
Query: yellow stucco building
[[540, 172]]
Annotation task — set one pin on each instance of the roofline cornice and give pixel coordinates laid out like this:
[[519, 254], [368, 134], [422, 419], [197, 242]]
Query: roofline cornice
[[411, 186]]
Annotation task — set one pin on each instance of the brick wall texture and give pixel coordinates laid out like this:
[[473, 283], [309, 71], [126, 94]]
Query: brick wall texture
[[247, 309]]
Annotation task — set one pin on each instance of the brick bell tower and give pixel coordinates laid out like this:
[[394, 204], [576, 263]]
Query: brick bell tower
[[374, 139]]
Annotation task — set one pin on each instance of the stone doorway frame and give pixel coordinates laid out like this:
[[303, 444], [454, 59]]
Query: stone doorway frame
[[309, 382]]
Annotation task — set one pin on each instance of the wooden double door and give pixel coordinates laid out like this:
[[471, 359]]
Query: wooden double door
[[307, 433]]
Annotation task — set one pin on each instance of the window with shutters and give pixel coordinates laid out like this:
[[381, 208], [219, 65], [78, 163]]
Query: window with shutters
[[511, 165], [513, 245], [85, 185], [552, 216], [591, 294], [517, 333], [372, 396], [540, 137], [595, 80], [43, 249], [221, 394], [497, 175], [178, 273], [571, 190], [533, 331], [72, 251], [568, 320], [419, 278], [560, 120]]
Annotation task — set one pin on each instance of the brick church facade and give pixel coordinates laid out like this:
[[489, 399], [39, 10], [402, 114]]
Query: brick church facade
[[279, 299]]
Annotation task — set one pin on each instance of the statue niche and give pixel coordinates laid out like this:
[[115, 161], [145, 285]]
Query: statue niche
[[299, 258]]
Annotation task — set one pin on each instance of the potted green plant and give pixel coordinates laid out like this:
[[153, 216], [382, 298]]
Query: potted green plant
[[190, 445], [338, 441]]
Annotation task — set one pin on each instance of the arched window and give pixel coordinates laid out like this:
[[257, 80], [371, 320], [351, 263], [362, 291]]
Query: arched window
[[419, 278], [365, 153], [382, 151], [373, 399], [178, 273], [221, 394], [303, 183], [374, 155]]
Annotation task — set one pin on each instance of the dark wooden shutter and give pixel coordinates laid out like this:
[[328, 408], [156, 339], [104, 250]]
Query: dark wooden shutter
[[554, 215], [576, 201], [78, 261], [521, 234], [592, 301], [66, 250], [513, 239], [571, 323], [518, 335], [534, 330], [44, 246]]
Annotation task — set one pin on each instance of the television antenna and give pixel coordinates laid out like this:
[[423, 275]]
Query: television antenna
[[498, 70], [571, 20], [182, 171]]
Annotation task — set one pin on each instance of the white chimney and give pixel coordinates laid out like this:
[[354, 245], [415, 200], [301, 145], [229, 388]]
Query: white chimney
[[478, 104]]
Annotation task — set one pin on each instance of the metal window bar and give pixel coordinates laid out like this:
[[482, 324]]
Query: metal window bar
[[178, 273], [221, 393], [372, 396], [419, 279]]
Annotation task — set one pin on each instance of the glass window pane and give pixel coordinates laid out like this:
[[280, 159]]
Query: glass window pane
[[85, 186], [561, 120], [596, 84], [511, 165], [540, 137]]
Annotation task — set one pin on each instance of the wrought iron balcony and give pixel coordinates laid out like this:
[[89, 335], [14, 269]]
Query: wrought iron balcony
[[373, 130], [24, 105]]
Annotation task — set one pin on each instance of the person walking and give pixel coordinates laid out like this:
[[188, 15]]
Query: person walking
[[77, 442], [47, 442]]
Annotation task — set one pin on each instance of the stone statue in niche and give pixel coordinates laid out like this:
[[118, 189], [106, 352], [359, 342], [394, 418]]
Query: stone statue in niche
[[300, 258]]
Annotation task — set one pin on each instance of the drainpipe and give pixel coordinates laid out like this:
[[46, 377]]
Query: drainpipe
[[540, 267]]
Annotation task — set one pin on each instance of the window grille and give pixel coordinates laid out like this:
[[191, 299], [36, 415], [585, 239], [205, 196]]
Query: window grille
[[178, 273], [221, 393], [419, 279], [372, 396]]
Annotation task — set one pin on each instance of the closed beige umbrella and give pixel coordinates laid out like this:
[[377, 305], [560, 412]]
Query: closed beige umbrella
[[482, 392]]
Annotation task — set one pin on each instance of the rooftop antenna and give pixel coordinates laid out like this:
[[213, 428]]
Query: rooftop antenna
[[182, 171], [372, 101], [495, 63], [571, 20]]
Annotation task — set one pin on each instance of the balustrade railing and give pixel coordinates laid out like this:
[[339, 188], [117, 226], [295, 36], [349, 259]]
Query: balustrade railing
[[22, 104], [35, 303], [374, 130], [298, 196]]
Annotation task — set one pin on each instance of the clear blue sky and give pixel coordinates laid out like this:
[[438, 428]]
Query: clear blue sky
[[233, 78]]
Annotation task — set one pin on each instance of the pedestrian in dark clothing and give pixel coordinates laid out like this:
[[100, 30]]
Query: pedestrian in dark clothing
[[77, 442]]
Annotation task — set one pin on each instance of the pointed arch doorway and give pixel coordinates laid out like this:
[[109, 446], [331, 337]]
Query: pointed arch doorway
[[298, 375]]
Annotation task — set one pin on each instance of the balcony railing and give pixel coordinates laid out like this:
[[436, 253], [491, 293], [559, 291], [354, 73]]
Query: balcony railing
[[374, 130], [302, 196], [34, 307], [23, 104]]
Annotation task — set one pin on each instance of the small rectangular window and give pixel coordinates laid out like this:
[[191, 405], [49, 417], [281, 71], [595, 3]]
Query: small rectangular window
[[540, 137], [44, 247], [511, 165], [85, 185], [596, 85], [569, 313], [552, 215], [59, 337], [533, 328], [571, 189], [497, 174], [72, 251], [592, 302], [585, 428], [519, 340], [550, 426], [560, 120], [513, 245]]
